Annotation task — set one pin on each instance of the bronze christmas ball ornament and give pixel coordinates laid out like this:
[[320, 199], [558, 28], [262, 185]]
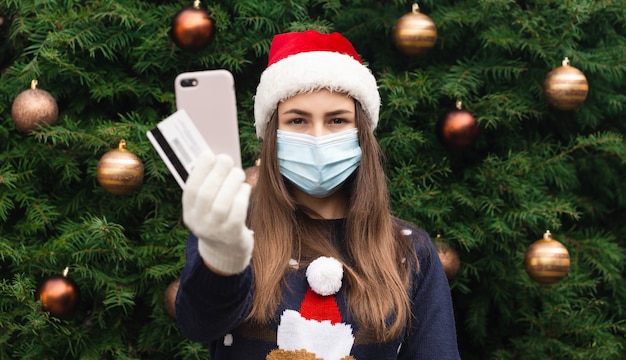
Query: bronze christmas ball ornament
[[170, 298], [192, 28], [34, 107], [120, 171], [565, 87], [457, 128], [414, 33], [252, 173], [59, 295], [547, 261], [449, 258]]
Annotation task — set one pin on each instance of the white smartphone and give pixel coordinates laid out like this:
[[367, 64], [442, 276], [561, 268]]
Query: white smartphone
[[209, 99], [206, 117]]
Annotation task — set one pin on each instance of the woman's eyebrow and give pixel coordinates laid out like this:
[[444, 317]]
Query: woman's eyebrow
[[297, 112], [338, 112]]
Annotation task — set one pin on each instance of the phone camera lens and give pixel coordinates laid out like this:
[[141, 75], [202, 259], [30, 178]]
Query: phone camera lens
[[188, 82]]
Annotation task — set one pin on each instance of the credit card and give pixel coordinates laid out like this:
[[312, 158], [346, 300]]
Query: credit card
[[179, 143]]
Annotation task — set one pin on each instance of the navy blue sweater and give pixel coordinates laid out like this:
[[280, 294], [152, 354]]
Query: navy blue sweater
[[212, 309]]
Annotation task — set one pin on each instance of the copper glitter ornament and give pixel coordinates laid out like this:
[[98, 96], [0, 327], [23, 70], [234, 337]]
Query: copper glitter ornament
[[449, 258], [565, 87], [34, 107], [414, 33], [59, 295], [252, 173], [192, 28], [547, 261], [120, 171], [170, 298], [457, 128]]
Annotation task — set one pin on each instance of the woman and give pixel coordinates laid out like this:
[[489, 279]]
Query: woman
[[311, 265]]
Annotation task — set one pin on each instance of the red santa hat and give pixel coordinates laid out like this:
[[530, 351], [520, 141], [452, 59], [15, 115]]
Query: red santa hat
[[306, 61], [324, 275], [318, 327]]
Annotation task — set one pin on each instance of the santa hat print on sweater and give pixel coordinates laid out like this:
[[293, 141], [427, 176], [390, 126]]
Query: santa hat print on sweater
[[317, 330], [301, 62]]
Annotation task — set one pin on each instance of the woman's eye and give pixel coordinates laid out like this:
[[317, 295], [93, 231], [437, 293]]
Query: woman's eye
[[297, 121], [337, 121]]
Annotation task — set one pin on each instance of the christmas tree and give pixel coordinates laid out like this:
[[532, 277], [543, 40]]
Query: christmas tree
[[109, 67]]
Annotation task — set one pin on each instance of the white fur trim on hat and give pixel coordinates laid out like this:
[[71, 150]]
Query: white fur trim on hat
[[314, 70]]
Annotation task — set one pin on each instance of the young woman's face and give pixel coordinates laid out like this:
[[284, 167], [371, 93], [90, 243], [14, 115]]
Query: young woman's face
[[317, 113]]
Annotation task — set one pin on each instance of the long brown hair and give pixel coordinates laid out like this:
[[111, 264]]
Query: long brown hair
[[376, 274]]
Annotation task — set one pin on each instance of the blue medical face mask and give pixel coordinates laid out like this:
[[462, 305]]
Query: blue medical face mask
[[318, 165]]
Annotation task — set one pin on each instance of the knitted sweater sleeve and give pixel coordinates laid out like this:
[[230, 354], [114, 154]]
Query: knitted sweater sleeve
[[432, 333], [208, 305]]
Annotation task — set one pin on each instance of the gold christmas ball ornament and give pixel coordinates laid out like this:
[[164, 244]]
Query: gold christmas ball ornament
[[34, 107], [449, 258], [565, 87], [170, 298], [457, 128], [192, 29], [547, 261], [59, 295], [120, 171], [414, 33]]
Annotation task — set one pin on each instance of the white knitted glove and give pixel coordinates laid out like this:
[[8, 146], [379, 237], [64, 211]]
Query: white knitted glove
[[215, 205]]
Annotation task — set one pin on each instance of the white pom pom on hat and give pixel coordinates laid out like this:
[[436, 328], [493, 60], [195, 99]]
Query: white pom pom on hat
[[306, 61], [324, 275]]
